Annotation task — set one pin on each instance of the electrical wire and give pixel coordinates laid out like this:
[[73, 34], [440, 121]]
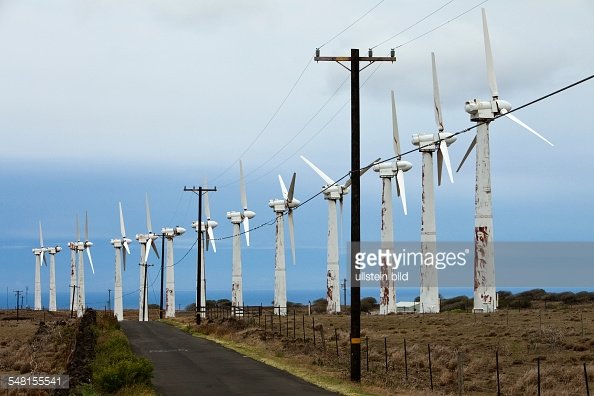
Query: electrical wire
[[460, 132], [413, 25], [352, 24]]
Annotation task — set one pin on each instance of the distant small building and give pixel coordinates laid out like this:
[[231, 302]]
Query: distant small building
[[407, 306]]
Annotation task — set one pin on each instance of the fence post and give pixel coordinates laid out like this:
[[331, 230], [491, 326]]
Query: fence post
[[280, 323], [430, 369], [497, 366], [460, 373], [336, 339], [538, 374], [386, 352], [405, 362], [265, 327], [586, 378], [367, 352]]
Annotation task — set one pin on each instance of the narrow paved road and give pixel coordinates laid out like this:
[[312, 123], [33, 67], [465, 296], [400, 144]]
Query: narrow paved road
[[187, 365]]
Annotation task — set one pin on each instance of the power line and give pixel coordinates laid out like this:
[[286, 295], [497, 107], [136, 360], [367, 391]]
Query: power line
[[272, 222], [352, 24], [413, 25]]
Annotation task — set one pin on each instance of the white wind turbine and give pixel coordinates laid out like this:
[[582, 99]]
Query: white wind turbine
[[207, 230], [52, 288], [333, 192], [238, 218], [428, 144], [120, 255], [145, 240], [39, 260], [169, 233], [82, 246], [279, 206], [483, 112], [388, 170]]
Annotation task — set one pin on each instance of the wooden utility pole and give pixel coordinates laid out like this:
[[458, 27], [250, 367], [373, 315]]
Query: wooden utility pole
[[199, 191], [355, 59], [18, 296], [344, 292]]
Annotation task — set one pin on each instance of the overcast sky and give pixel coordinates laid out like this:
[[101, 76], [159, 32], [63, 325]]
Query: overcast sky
[[103, 101]]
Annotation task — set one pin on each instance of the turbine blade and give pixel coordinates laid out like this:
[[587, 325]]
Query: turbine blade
[[246, 230], [126, 247], [292, 188], [147, 250], [400, 182], [489, 56], [292, 234], [439, 166], [443, 150], [283, 187], [324, 176], [210, 234], [361, 173], [40, 235], [42, 259], [436, 99], [90, 260], [149, 224], [242, 187], [154, 246], [206, 206], [395, 136], [122, 227], [472, 144], [86, 226], [517, 121], [124, 259]]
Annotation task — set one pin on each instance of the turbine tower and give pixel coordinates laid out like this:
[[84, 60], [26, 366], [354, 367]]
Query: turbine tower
[[169, 234], [279, 206], [39, 260], [52, 288], [82, 246], [145, 240], [387, 171], [73, 246], [483, 112], [428, 144], [120, 256], [238, 218], [207, 230], [333, 192]]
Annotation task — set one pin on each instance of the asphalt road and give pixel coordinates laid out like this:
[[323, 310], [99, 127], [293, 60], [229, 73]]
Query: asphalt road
[[187, 365]]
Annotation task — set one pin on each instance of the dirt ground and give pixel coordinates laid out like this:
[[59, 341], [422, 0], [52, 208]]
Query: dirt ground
[[560, 338]]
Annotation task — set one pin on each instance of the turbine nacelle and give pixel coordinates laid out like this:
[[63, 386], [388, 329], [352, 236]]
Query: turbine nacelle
[[54, 250], [390, 169], [334, 192], [235, 217], [248, 214], [486, 110], [172, 232], [430, 141]]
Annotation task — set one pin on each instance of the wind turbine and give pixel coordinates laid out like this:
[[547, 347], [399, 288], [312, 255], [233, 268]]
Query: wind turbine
[[170, 233], [279, 206], [52, 288], [483, 112], [82, 246], [387, 171], [333, 192], [145, 240], [39, 260], [118, 244], [207, 230], [428, 144], [238, 218]]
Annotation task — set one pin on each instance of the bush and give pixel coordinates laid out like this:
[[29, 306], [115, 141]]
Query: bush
[[368, 304]]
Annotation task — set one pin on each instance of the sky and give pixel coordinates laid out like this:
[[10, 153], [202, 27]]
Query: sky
[[106, 101]]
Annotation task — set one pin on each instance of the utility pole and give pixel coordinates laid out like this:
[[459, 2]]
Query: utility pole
[[18, 296], [199, 191], [162, 275], [354, 59], [145, 300]]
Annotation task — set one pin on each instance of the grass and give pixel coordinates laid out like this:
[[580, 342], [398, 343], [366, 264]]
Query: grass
[[519, 336]]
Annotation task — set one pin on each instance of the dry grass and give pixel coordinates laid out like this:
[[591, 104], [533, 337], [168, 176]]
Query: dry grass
[[520, 337]]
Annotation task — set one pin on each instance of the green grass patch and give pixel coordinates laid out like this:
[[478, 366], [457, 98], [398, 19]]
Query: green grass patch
[[116, 369]]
